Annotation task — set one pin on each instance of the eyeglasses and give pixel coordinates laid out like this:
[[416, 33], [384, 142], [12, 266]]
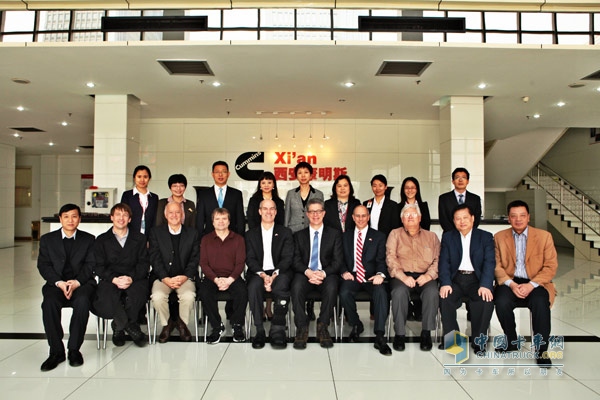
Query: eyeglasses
[[315, 212], [408, 215]]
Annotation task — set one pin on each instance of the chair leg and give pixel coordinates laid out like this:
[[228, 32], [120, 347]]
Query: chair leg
[[341, 324], [97, 333], [335, 325], [150, 339], [196, 318], [105, 330]]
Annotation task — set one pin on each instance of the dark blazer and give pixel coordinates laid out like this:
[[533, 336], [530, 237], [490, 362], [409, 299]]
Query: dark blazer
[[332, 216], [207, 202], [190, 213], [282, 249], [482, 256], [161, 252], [52, 257], [390, 215], [331, 252], [373, 255], [136, 219], [425, 216], [253, 216], [446, 204], [112, 260]]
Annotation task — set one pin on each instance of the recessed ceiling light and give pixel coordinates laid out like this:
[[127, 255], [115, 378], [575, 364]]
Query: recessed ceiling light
[[598, 88], [51, 144], [20, 108], [216, 84], [482, 85], [77, 150], [348, 84], [90, 84], [64, 123], [16, 134], [536, 116], [561, 104]]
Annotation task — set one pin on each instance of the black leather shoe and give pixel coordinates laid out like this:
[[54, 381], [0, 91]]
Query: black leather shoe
[[382, 346], [259, 340], [301, 338], [134, 331], [399, 342], [356, 331], [441, 346], [278, 340], [426, 343], [118, 337], [52, 362], [75, 358]]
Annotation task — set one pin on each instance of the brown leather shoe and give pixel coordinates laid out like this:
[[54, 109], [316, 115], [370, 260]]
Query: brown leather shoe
[[165, 334], [184, 333]]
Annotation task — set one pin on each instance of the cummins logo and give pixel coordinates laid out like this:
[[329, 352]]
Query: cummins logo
[[242, 162]]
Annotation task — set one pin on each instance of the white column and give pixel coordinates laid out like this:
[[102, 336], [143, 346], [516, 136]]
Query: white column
[[7, 195], [116, 140], [462, 142]]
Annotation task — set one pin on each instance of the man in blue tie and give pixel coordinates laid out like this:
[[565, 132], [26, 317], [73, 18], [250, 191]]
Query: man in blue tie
[[318, 259], [447, 202]]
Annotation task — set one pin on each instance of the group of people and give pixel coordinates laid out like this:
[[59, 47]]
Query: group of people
[[294, 251]]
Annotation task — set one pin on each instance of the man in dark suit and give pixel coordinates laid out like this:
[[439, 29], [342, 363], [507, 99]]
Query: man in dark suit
[[66, 262], [122, 264], [466, 269], [174, 255], [318, 259], [220, 195], [269, 255], [365, 269], [447, 202]]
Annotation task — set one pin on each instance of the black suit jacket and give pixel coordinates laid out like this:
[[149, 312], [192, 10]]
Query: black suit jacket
[[190, 213], [332, 216], [112, 260], [207, 202], [482, 255], [52, 257], [254, 217], [390, 215], [137, 210], [446, 204], [161, 252], [331, 252], [282, 249], [373, 254]]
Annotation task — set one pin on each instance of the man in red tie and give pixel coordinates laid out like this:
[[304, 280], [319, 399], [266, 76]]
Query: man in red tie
[[365, 269]]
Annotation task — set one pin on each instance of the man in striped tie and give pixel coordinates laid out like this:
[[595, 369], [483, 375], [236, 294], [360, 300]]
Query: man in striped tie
[[365, 269]]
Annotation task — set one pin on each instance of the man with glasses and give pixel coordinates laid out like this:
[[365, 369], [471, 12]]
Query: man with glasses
[[412, 260], [447, 202], [318, 259]]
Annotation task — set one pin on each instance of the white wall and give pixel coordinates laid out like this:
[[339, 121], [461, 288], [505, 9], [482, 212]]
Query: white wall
[[578, 161], [24, 215], [7, 195], [395, 148]]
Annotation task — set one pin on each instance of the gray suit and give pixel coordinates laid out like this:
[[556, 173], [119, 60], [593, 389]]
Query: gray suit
[[295, 214]]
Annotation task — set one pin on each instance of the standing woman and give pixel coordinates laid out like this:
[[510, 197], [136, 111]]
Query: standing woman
[[339, 208], [143, 203], [410, 193], [385, 214], [296, 199], [265, 190], [178, 185]]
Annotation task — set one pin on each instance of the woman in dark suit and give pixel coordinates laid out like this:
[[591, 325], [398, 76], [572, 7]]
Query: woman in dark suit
[[410, 193], [339, 208], [385, 214], [143, 203], [265, 190]]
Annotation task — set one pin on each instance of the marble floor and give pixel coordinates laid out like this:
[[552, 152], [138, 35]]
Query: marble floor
[[229, 370]]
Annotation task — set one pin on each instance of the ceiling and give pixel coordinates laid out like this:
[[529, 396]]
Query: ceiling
[[299, 77]]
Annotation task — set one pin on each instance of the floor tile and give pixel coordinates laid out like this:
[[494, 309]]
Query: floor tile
[[365, 390], [270, 390], [103, 389]]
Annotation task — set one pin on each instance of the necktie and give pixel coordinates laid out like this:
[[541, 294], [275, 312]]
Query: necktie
[[460, 198], [360, 270], [314, 255], [220, 198]]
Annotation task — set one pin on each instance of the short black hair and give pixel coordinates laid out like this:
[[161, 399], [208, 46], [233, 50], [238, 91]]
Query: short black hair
[[303, 164], [516, 203], [69, 207], [380, 178], [220, 162], [177, 178], [141, 168], [461, 169], [463, 206]]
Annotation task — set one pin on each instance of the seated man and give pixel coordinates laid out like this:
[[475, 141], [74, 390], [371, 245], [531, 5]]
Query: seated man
[[66, 262], [318, 259], [365, 269], [466, 269], [526, 262], [122, 265], [174, 255], [222, 260], [269, 254], [412, 260]]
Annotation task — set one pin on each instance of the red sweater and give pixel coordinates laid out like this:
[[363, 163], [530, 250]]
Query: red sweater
[[222, 258]]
